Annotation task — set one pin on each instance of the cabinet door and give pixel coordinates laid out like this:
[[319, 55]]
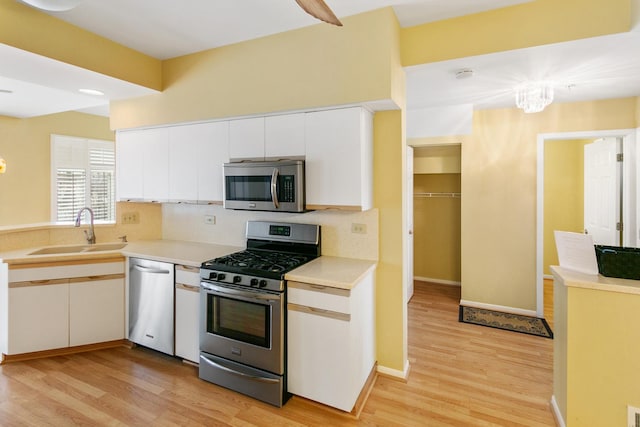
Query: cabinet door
[[129, 151], [187, 322], [213, 152], [155, 164], [338, 159], [183, 161], [246, 139], [319, 359], [38, 317], [96, 310], [284, 136], [143, 164]]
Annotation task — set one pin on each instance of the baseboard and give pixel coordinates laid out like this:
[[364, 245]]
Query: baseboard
[[557, 415], [438, 281], [502, 308], [395, 373]]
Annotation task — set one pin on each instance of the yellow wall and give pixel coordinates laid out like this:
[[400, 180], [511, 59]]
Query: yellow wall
[[391, 311], [603, 362], [596, 350], [563, 193], [436, 225], [499, 187], [24, 143], [529, 24], [312, 67], [25, 28]]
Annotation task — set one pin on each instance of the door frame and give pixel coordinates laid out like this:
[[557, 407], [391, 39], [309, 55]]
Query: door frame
[[628, 137]]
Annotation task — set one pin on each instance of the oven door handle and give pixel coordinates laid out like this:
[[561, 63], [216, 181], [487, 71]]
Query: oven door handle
[[221, 290], [240, 374], [274, 188]]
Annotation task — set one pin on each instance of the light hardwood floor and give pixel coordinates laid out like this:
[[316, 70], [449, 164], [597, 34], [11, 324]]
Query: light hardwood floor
[[461, 375]]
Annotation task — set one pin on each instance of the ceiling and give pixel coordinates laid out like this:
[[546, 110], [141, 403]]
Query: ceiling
[[597, 68]]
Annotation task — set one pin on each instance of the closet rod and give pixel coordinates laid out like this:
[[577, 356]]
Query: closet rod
[[454, 195]]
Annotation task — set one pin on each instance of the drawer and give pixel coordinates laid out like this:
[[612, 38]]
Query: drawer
[[54, 271], [188, 275], [321, 297]]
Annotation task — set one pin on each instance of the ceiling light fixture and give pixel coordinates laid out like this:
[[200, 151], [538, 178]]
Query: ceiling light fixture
[[91, 92], [53, 5], [464, 73], [3, 165], [533, 97]]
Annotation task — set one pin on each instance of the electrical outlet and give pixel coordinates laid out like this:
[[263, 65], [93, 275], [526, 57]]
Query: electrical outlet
[[130, 218], [359, 228], [210, 219]]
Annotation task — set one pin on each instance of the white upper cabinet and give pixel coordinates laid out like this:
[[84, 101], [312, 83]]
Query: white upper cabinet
[[183, 163], [246, 139], [196, 155], [284, 136], [339, 159], [129, 151], [213, 153], [267, 138], [142, 157]]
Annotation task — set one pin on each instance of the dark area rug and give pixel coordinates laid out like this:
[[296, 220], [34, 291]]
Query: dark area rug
[[507, 321]]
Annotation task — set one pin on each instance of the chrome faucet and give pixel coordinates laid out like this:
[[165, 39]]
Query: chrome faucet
[[90, 235]]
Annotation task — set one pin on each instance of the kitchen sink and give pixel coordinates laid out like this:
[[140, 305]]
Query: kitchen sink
[[53, 250], [105, 247]]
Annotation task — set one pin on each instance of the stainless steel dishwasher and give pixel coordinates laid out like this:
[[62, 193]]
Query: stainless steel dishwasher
[[151, 299]]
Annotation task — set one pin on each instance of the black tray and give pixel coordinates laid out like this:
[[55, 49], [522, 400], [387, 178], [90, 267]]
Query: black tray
[[617, 261]]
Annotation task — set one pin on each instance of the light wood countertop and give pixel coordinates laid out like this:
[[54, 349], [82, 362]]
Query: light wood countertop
[[177, 252], [599, 282], [336, 272]]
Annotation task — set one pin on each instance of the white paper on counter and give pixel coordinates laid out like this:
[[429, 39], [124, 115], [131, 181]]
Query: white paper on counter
[[576, 252]]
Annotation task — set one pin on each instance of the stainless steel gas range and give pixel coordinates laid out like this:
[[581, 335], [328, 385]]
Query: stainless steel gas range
[[243, 309]]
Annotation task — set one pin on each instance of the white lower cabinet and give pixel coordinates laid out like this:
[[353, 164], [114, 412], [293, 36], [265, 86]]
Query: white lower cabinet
[[187, 313], [38, 318], [96, 311], [331, 341], [57, 306]]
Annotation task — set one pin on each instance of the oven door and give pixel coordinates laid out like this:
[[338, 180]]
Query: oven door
[[243, 325]]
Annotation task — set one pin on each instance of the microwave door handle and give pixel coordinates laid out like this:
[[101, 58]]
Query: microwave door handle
[[274, 188]]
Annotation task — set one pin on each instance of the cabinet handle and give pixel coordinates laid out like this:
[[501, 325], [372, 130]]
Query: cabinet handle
[[96, 278], [189, 268], [320, 312], [189, 288]]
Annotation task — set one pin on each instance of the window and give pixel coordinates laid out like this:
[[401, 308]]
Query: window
[[82, 174]]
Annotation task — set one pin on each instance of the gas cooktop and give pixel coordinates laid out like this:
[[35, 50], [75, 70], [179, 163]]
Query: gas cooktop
[[258, 263]]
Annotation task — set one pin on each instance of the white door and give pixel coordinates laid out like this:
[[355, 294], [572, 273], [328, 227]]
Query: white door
[[409, 224], [602, 191]]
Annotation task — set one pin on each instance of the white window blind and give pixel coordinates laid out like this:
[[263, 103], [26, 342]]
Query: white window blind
[[83, 174]]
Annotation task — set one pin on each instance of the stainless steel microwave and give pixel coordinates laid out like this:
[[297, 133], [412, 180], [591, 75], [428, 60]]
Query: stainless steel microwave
[[265, 186]]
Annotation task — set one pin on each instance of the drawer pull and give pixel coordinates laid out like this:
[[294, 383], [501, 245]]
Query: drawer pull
[[189, 288], [319, 312]]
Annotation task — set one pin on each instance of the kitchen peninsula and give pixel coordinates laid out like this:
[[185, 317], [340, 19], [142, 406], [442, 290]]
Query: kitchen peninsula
[[596, 347]]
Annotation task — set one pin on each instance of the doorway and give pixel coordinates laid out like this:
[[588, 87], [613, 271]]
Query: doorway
[[629, 194]]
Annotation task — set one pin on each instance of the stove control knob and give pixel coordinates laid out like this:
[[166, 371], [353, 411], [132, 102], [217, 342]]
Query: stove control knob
[[254, 282], [263, 283], [237, 279], [221, 277], [213, 276]]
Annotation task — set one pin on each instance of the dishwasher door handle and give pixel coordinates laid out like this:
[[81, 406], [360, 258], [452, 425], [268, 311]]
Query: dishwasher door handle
[[150, 270]]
